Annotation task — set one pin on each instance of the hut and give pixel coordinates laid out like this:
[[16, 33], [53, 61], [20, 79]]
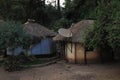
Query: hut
[[41, 39], [73, 47]]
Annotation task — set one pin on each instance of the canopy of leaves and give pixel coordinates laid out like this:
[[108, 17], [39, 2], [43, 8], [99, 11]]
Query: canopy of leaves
[[63, 22], [106, 32], [76, 10], [21, 10], [13, 35]]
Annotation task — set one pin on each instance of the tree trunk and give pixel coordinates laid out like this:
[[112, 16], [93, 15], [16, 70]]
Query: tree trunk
[[58, 5]]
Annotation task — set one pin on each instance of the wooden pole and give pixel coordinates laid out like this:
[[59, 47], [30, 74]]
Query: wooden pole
[[75, 54], [85, 56]]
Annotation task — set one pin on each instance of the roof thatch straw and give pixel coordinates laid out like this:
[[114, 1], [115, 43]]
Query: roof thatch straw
[[38, 30], [59, 37], [78, 31]]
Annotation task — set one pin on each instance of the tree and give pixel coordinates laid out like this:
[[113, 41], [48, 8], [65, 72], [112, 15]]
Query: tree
[[13, 35], [63, 22], [76, 10], [12, 9], [21, 10], [106, 32], [58, 5], [52, 16]]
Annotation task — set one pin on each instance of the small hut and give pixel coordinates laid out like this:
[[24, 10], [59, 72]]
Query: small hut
[[41, 37], [73, 47]]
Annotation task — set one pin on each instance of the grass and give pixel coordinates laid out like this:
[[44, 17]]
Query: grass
[[31, 61], [35, 62]]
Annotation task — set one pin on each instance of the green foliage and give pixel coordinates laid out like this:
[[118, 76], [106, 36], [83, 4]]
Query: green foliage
[[21, 10], [52, 15], [13, 35], [76, 10], [14, 63], [13, 10], [114, 37], [63, 22], [106, 32]]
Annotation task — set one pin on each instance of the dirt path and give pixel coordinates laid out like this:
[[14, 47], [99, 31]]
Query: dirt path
[[64, 71]]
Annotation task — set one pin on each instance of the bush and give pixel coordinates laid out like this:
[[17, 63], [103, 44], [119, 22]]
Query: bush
[[12, 35], [106, 32], [14, 63]]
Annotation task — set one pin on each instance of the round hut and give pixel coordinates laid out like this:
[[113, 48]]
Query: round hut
[[42, 43], [74, 49]]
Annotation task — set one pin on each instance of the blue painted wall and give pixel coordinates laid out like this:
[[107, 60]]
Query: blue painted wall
[[45, 46], [17, 51]]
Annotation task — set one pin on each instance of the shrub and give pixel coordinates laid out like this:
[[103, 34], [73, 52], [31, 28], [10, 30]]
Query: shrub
[[106, 32], [12, 35]]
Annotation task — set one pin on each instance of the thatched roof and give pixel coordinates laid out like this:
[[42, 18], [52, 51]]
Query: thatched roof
[[78, 31], [58, 37], [38, 30]]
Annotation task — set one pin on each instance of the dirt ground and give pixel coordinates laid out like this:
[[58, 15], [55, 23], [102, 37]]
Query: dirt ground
[[65, 71]]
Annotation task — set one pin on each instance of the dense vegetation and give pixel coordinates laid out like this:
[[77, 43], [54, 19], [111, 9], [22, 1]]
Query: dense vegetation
[[21, 10], [12, 35], [106, 32], [48, 15]]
